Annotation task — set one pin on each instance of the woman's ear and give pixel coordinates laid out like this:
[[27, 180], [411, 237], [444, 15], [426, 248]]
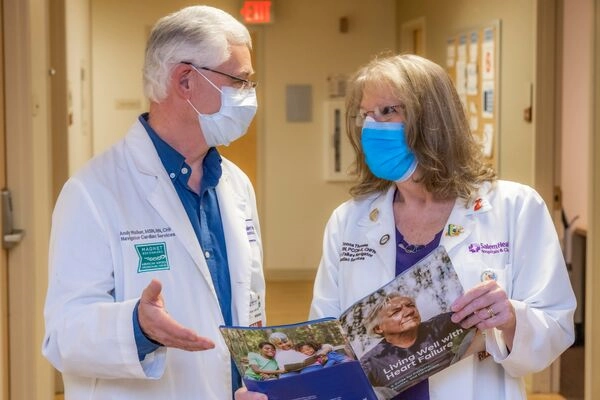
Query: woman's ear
[[378, 330]]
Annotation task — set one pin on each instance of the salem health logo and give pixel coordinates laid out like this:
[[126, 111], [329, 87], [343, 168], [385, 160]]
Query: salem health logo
[[474, 248], [489, 248]]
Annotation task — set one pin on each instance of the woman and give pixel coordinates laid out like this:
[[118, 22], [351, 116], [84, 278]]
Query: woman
[[422, 182]]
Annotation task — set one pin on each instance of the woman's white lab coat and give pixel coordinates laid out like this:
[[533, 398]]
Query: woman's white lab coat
[[117, 224], [507, 232]]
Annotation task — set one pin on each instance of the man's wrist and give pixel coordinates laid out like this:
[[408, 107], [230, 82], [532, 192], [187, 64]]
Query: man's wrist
[[145, 345]]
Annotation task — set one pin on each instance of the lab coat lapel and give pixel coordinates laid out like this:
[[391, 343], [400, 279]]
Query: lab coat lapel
[[459, 235], [461, 222], [381, 230], [233, 214], [458, 228], [163, 197]]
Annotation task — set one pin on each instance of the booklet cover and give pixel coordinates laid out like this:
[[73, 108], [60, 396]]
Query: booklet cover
[[383, 344]]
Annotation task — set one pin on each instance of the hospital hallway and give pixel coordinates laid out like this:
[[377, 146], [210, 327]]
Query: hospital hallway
[[71, 85]]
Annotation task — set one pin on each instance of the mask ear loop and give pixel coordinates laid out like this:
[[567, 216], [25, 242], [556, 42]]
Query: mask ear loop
[[208, 80], [190, 103]]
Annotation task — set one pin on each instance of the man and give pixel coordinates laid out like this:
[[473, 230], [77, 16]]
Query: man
[[409, 348], [285, 353], [156, 242]]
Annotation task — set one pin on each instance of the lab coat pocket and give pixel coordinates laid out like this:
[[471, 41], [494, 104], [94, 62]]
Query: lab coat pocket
[[499, 274], [473, 273]]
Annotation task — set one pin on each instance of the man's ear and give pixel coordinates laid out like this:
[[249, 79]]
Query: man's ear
[[378, 330], [181, 80]]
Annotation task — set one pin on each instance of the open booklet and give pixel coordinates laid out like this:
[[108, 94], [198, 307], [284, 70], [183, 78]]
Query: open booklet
[[383, 344]]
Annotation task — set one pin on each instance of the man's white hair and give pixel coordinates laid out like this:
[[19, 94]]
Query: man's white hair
[[278, 337], [201, 35]]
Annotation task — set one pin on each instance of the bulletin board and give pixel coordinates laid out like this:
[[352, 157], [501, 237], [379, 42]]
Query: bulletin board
[[473, 62]]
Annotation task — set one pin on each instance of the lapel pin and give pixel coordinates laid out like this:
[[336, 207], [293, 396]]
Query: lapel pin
[[384, 239], [374, 214], [454, 230], [481, 204], [488, 275]]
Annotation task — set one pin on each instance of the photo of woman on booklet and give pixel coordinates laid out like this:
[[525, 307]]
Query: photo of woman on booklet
[[408, 344]]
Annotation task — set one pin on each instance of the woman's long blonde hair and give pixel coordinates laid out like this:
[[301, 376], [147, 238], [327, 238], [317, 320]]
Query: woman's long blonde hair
[[436, 127]]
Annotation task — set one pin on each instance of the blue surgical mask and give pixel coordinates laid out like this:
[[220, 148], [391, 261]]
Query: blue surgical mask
[[386, 153]]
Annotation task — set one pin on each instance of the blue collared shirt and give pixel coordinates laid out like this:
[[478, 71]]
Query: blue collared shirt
[[205, 217]]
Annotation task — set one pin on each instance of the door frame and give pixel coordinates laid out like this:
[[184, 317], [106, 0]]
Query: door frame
[[4, 360], [592, 310], [29, 176], [547, 102]]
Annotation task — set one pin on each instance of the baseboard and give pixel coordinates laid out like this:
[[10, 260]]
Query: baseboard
[[283, 275], [545, 396]]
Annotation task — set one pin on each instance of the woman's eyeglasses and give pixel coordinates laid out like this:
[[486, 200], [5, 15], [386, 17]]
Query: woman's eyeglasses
[[383, 114]]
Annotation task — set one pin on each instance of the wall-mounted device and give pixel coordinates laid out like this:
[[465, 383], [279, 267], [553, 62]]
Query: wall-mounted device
[[10, 236]]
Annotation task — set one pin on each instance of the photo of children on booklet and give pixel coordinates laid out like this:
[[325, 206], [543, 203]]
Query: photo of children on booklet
[[276, 355], [297, 361]]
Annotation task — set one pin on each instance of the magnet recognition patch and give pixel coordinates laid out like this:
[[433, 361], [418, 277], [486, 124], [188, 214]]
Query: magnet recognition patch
[[152, 257]]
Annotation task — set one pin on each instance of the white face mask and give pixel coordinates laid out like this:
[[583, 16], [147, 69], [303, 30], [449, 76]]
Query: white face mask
[[238, 107]]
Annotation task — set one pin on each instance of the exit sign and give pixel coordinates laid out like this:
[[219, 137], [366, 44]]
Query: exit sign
[[257, 12]]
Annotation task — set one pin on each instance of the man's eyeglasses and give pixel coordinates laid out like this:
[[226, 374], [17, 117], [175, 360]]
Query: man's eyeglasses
[[384, 114], [240, 83]]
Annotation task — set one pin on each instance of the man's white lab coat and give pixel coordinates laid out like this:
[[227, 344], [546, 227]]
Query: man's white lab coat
[[117, 224]]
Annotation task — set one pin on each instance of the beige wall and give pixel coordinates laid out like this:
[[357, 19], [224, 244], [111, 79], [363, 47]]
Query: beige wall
[[79, 100], [303, 46], [119, 30]]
